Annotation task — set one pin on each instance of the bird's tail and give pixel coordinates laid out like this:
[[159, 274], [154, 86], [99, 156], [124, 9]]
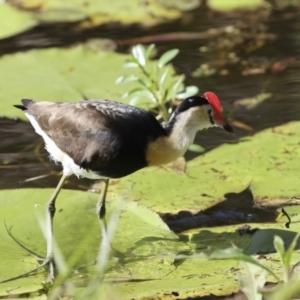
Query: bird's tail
[[25, 104]]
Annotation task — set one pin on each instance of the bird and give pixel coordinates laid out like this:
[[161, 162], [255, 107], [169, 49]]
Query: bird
[[103, 139]]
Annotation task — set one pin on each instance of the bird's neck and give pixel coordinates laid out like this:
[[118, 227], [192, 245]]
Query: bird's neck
[[180, 134]]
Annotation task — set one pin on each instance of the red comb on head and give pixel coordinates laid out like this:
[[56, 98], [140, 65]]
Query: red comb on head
[[214, 101]]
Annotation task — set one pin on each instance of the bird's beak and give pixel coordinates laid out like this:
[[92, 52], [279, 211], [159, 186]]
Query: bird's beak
[[228, 128], [220, 121]]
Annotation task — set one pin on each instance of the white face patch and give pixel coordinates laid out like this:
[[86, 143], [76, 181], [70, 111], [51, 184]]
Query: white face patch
[[183, 133]]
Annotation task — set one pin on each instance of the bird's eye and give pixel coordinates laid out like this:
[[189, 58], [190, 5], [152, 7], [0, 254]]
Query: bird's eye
[[209, 110]]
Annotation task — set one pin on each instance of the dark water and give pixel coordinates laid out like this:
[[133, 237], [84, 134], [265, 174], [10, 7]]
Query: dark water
[[24, 162]]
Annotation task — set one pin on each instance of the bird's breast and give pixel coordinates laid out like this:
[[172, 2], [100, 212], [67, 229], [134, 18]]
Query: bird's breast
[[162, 151]]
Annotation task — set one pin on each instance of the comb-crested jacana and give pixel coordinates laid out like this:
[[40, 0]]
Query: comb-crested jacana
[[107, 139]]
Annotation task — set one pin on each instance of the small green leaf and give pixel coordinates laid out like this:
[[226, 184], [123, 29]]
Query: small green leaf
[[284, 291], [196, 148], [175, 87], [291, 249], [188, 91], [138, 53], [253, 281], [126, 78], [144, 82], [140, 92], [148, 94], [135, 101], [285, 256], [163, 77], [133, 91], [149, 51], [130, 64], [166, 57], [279, 246]]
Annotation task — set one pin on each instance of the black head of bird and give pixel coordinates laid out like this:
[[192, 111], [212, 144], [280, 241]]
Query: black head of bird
[[107, 139]]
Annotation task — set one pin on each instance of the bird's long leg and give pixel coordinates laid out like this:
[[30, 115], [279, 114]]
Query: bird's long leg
[[101, 211], [101, 204], [50, 212]]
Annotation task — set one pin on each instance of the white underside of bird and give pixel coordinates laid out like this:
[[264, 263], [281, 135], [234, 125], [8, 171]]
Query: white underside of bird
[[57, 155]]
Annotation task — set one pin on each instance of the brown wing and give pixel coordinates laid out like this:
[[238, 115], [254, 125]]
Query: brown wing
[[83, 130]]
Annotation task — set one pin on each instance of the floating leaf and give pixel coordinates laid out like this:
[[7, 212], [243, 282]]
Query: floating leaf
[[58, 74], [143, 244], [234, 167], [239, 255], [87, 14], [14, 21], [231, 5]]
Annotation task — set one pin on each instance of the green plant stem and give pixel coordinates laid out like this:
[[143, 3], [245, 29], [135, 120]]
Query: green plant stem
[[158, 98]]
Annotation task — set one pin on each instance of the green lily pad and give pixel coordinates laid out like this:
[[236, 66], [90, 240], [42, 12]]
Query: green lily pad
[[24, 14], [231, 5], [143, 246], [195, 277], [58, 75], [200, 240], [267, 162], [144, 249], [14, 21], [62, 75]]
